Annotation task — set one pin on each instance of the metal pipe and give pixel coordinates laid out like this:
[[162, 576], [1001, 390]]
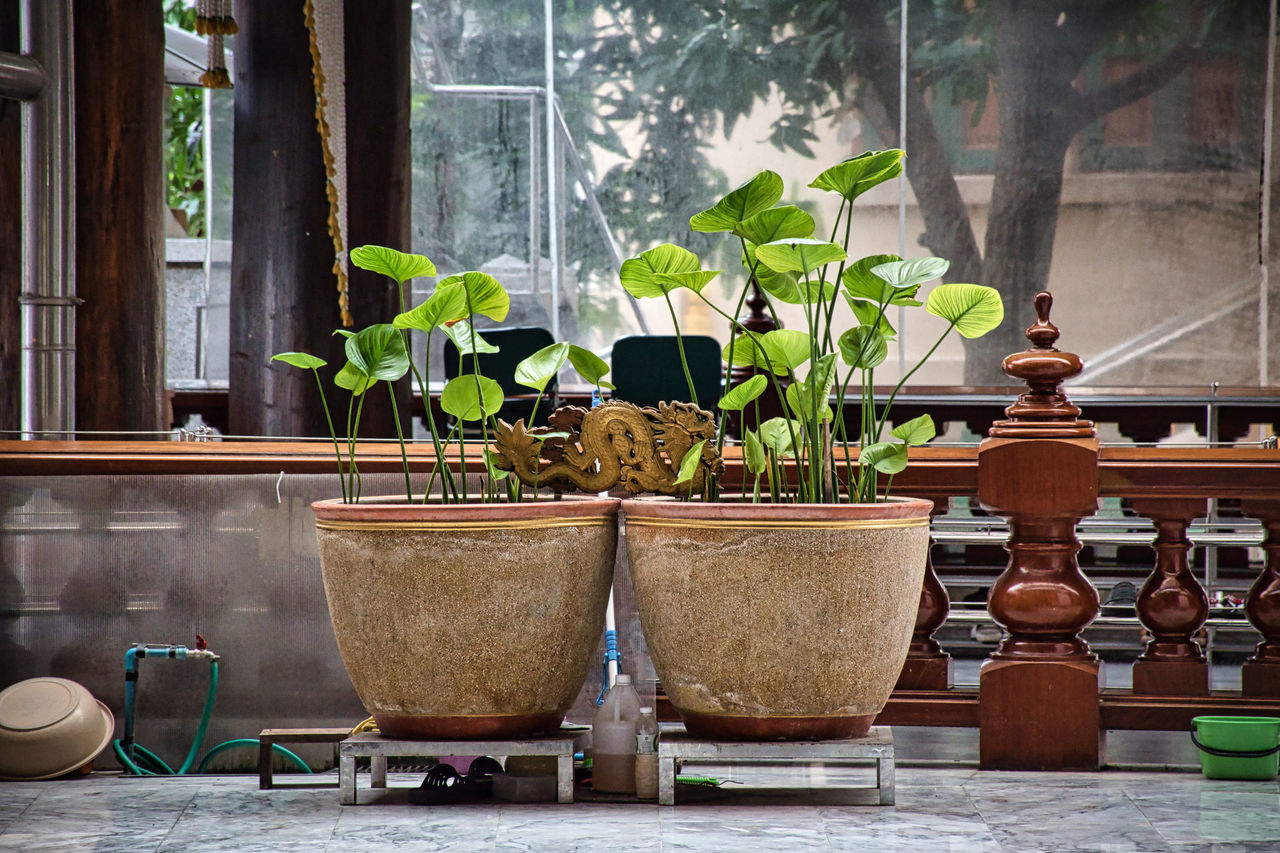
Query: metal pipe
[[48, 216], [553, 227], [21, 76]]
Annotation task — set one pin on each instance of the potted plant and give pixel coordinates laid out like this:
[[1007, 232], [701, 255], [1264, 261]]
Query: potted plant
[[473, 607], [803, 591]]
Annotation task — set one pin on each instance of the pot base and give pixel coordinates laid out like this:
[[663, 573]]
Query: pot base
[[728, 727], [480, 727]]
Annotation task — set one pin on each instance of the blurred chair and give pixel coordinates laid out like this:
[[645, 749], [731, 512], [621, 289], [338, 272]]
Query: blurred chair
[[646, 370], [514, 346]]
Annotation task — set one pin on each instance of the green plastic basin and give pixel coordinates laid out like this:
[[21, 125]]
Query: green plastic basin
[[1237, 747]]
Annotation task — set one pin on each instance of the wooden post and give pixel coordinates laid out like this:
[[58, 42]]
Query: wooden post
[[758, 322], [1039, 470], [120, 211], [1261, 673], [1172, 605], [928, 667]]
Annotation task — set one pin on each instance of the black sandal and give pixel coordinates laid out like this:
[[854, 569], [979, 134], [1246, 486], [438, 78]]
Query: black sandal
[[443, 784]]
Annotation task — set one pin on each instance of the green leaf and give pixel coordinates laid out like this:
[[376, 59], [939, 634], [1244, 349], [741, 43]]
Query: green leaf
[[863, 347], [859, 283], [346, 333], [973, 309], [867, 314], [855, 176], [689, 464], [491, 457], [590, 366], [304, 360], [353, 380], [800, 397], [541, 367], [467, 339], [446, 304], [775, 435], [786, 349], [770, 281], [916, 431], [543, 436], [757, 194], [743, 393], [800, 254], [776, 223], [911, 273], [401, 266], [753, 453], [637, 274], [786, 286], [694, 281], [378, 352], [461, 398], [487, 296], [884, 457]]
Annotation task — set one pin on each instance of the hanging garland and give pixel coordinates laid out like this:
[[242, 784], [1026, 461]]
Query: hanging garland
[[214, 21]]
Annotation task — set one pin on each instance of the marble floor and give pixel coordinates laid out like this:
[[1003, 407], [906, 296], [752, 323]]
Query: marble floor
[[939, 808]]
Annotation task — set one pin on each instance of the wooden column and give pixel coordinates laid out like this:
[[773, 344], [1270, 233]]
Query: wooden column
[[927, 666], [10, 237], [120, 210], [1261, 674], [1039, 470], [1172, 605], [757, 321]]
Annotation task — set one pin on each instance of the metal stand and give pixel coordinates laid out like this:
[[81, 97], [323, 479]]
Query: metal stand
[[676, 744], [378, 749]]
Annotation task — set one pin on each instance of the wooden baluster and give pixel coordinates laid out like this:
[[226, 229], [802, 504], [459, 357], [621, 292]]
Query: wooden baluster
[[1261, 673], [928, 667], [757, 321], [1039, 469], [1172, 605]]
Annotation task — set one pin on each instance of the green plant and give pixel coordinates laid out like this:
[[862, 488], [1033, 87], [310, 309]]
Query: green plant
[[788, 264], [380, 353]]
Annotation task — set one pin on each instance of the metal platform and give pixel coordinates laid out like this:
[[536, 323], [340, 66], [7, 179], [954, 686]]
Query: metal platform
[[675, 744], [378, 749]]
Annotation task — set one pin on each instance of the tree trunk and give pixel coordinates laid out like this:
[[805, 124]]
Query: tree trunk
[[120, 198]]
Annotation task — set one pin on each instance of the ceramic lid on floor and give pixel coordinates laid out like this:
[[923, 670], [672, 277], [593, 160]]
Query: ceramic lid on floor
[[50, 726]]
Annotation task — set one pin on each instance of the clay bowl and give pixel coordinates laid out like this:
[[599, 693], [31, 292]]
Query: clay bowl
[[50, 727]]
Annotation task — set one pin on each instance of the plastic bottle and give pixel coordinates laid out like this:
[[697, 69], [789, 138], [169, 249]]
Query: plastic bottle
[[613, 739], [647, 755]]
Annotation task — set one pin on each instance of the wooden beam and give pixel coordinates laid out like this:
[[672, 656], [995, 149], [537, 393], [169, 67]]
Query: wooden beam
[[120, 198]]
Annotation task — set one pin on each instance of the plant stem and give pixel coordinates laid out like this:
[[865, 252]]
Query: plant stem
[[404, 456], [889, 403], [446, 475], [684, 363], [332, 433]]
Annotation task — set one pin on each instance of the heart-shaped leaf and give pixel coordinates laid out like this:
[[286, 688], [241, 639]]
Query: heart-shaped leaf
[[916, 431], [787, 287], [470, 397], [689, 462], [541, 367], [467, 339], [863, 347], [856, 175], [973, 309], [777, 223], [446, 304], [775, 434], [859, 283], [637, 274], [757, 194], [743, 393], [786, 349], [353, 380], [378, 352], [800, 254], [911, 273], [694, 281], [868, 314], [885, 457], [304, 360], [590, 366], [753, 453], [802, 397], [401, 266], [484, 294]]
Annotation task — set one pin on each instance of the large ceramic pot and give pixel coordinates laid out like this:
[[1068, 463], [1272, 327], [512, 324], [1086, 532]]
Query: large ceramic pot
[[467, 621], [777, 621]]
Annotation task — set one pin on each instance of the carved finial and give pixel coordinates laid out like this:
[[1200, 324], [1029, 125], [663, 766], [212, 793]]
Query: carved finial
[[1043, 411]]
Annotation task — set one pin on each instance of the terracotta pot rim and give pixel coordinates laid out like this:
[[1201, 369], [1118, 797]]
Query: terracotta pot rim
[[391, 508], [669, 508]]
